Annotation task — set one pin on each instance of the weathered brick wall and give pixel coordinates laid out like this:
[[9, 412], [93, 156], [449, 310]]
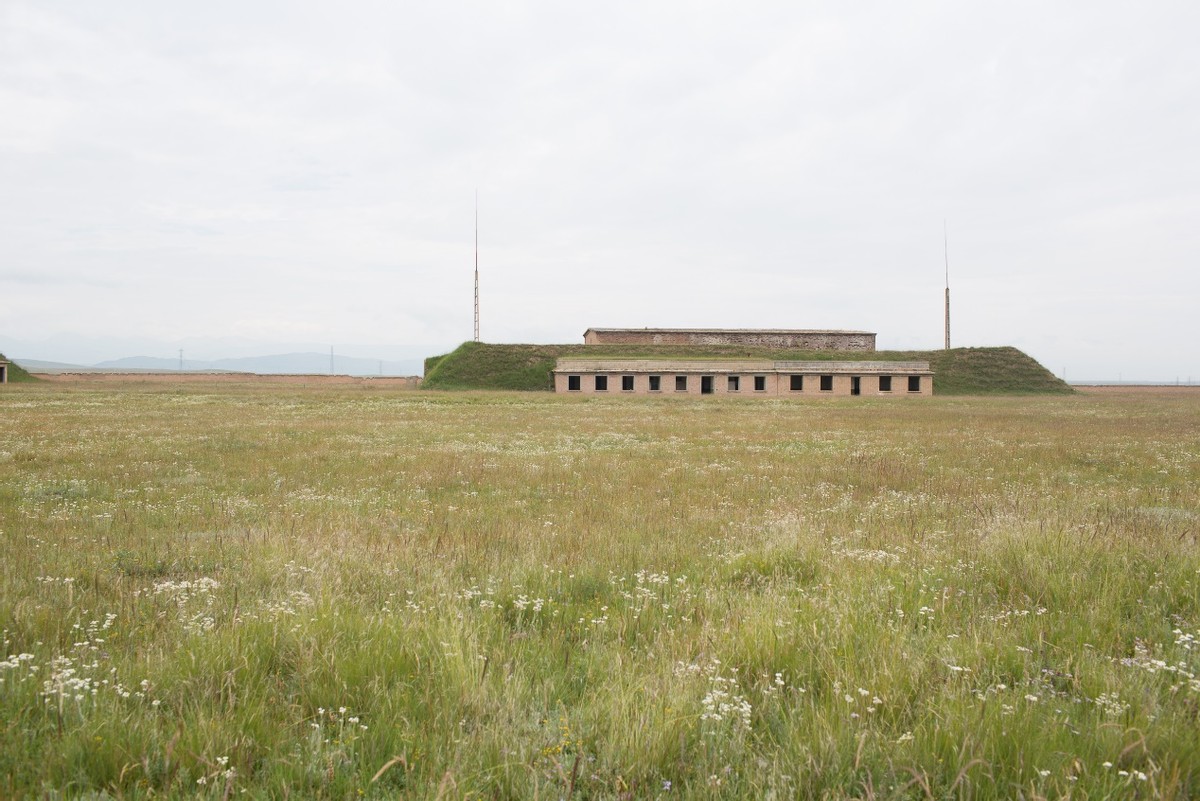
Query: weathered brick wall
[[799, 340]]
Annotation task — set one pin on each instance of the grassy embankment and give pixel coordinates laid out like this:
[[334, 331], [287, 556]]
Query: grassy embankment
[[959, 371], [326, 594], [16, 373]]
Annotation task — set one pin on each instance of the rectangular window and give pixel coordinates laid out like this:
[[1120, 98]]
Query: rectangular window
[[627, 383], [914, 383], [681, 383], [602, 383], [827, 383], [573, 383], [735, 382], [655, 383], [885, 383], [760, 383], [797, 383]]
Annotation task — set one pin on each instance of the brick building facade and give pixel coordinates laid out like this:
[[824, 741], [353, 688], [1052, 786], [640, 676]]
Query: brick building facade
[[754, 378]]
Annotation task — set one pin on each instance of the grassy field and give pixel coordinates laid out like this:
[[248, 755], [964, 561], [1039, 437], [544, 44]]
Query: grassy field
[[333, 593]]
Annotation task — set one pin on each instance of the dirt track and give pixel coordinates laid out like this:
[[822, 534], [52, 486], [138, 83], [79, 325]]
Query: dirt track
[[389, 382], [1138, 389]]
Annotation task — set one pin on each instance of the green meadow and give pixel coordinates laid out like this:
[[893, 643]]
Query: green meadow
[[233, 591]]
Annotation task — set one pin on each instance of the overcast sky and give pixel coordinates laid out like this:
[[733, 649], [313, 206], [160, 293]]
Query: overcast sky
[[266, 176]]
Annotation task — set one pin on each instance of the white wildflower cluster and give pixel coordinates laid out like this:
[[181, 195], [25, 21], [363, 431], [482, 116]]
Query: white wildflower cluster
[[1136, 775], [187, 595], [295, 571], [1006, 616], [876, 555], [69, 682], [724, 551], [341, 718], [91, 631], [55, 580], [723, 699], [649, 589], [1144, 659], [1111, 704], [484, 598], [523, 602], [858, 702], [221, 771], [331, 741], [1184, 640], [775, 685], [17, 668], [983, 694], [296, 600], [600, 620]]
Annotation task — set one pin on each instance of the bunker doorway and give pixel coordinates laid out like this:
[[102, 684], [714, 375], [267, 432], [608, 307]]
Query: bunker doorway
[[706, 385], [855, 385]]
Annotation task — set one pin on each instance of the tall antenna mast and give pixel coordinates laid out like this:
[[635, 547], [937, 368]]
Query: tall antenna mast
[[476, 265], [946, 245]]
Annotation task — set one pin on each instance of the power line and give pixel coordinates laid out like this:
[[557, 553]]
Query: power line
[[946, 245], [476, 265]]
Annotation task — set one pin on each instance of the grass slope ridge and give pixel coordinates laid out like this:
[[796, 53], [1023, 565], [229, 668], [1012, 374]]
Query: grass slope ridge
[[16, 373], [959, 371]]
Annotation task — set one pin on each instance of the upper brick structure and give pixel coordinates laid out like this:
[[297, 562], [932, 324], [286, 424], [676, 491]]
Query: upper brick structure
[[758, 337]]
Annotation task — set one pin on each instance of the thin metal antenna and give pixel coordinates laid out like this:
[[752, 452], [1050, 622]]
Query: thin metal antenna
[[946, 245], [476, 265]]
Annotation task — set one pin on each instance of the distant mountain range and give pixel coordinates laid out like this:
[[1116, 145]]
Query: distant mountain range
[[280, 364]]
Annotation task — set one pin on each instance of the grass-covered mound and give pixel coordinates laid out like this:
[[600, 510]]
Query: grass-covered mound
[[959, 371], [16, 372]]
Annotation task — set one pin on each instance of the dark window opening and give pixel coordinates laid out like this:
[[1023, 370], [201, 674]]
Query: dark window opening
[[627, 383], [706, 385], [735, 383], [827, 383], [855, 385], [797, 383], [601, 383], [681, 383], [655, 383], [573, 383], [760, 383], [885, 383], [914, 383]]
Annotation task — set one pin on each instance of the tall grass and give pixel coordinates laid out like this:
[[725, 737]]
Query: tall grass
[[338, 594]]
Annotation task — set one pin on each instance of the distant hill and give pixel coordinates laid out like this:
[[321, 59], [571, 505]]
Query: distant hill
[[959, 371], [280, 364]]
